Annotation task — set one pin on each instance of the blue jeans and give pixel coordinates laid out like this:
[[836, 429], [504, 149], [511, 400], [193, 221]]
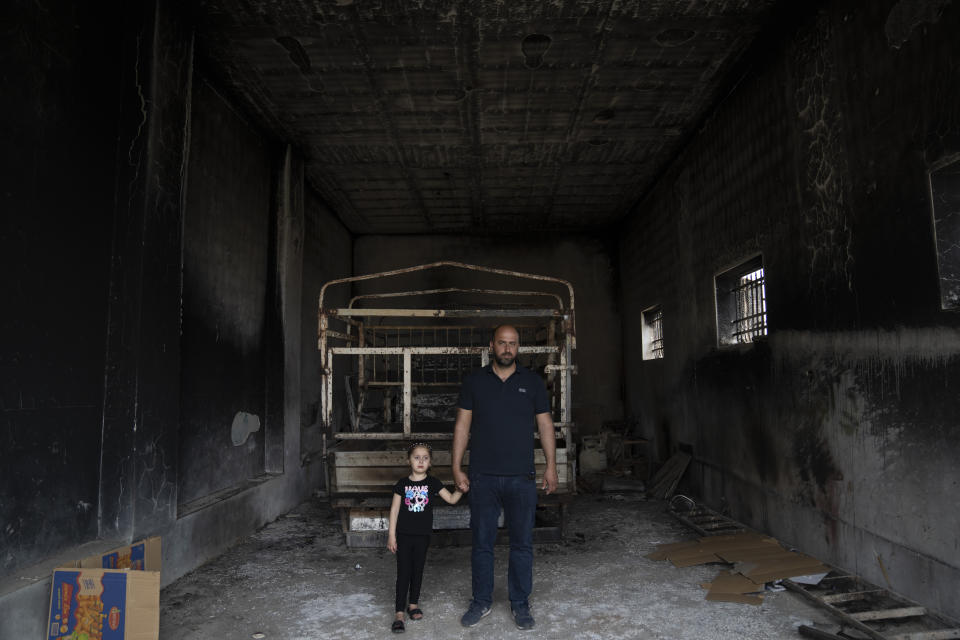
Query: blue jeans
[[517, 496]]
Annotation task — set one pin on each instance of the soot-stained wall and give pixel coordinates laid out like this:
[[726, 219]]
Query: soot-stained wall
[[57, 215], [587, 262], [124, 293], [107, 259], [226, 237], [838, 431], [327, 255]]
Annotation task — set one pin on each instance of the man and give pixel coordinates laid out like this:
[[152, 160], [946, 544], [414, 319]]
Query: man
[[496, 411]]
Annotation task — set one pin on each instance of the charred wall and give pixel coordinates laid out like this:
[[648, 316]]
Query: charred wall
[[153, 244], [57, 165], [226, 264], [836, 432], [327, 255]]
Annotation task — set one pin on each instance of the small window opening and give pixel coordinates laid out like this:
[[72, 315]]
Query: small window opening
[[652, 333], [742, 303], [945, 201]]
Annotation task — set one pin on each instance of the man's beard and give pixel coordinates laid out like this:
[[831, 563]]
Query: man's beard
[[506, 361]]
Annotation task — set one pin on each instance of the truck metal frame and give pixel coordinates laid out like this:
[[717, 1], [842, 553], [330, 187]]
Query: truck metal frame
[[404, 356]]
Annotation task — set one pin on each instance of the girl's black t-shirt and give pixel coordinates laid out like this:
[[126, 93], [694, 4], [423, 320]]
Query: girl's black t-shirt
[[416, 504]]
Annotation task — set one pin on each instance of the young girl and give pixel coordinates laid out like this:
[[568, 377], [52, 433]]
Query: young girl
[[411, 523]]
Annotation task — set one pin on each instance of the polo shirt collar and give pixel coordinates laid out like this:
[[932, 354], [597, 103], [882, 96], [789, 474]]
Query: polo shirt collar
[[520, 369]]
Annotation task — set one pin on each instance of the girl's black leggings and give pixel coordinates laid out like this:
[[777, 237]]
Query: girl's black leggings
[[411, 556]]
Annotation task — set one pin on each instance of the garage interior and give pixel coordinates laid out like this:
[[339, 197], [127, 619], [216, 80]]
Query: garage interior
[[180, 179]]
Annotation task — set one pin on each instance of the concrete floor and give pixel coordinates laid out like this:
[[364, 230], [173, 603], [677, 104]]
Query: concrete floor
[[295, 579]]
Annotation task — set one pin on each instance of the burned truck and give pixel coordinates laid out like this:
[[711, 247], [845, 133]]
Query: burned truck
[[392, 362]]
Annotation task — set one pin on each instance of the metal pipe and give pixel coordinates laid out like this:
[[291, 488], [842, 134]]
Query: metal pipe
[[374, 384], [343, 336], [393, 436], [328, 405], [458, 265], [407, 391], [445, 313], [352, 351], [504, 292]]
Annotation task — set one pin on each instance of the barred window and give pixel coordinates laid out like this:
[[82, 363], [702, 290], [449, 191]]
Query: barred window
[[652, 333], [945, 201], [742, 303]]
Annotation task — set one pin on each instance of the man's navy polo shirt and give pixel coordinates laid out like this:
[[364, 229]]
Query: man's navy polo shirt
[[501, 432]]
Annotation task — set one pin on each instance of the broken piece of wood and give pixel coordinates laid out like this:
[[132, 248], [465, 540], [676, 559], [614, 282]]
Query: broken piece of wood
[[820, 634], [667, 478]]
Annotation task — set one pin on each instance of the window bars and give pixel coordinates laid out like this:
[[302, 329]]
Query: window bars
[[653, 333], [750, 319]]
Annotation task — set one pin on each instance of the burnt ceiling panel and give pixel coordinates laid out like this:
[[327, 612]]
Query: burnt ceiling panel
[[474, 116]]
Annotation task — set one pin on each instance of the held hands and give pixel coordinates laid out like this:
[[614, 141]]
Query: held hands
[[461, 480], [392, 543], [550, 480]]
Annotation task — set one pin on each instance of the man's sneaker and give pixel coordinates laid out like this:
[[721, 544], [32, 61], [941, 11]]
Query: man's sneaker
[[474, 614], [521, 615]]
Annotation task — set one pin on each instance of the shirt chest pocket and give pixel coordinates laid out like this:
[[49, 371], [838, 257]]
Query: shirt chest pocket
[[520, 399]]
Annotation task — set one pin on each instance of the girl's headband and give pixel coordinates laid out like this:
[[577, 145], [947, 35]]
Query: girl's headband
[[419, 444]]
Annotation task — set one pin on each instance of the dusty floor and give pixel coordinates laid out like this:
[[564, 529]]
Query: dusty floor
[[295, 579]]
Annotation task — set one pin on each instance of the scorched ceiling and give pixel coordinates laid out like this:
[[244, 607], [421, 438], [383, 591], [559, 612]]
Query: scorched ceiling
[[478, 117]]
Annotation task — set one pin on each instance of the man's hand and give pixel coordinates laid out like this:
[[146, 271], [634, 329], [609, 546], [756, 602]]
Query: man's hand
[[461, 480], [550, 479], [549, 443], [461, 435]]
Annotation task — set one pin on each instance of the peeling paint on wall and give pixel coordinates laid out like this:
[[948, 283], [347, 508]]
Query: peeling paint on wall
[[907, 15], [243, 425], [823, 173]]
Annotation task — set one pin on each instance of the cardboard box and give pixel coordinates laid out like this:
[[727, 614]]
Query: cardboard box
[[141, 556], [104, 604]]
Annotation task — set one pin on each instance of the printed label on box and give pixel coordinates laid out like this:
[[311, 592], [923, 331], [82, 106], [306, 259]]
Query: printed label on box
[[87, 606], [132, 558], [116, 560], [137, 556]]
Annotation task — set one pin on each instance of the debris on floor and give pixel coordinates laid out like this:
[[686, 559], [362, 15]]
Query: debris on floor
[[615, 484], [701, 518], [730, 586], [665, 482], [868, 611], [821, 634], [865, 610], [757, 560], [296, 579]]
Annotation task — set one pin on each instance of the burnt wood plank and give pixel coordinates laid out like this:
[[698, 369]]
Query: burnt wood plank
[[889, 614]]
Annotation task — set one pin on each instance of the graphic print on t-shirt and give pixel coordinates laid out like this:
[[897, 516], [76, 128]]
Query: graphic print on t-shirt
[[416, 497]]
